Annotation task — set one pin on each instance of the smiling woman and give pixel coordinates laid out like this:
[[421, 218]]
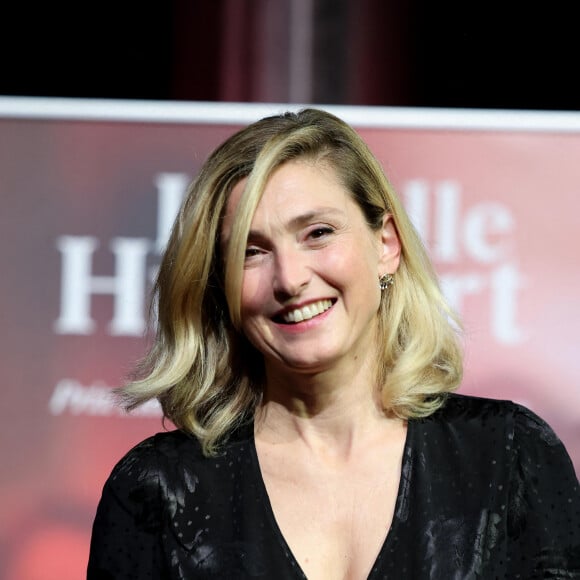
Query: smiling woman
[[310, 292], [307, 357]]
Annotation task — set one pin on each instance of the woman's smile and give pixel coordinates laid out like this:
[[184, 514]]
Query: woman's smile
[[295, 315]]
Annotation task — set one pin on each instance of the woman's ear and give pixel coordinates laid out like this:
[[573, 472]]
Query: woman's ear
[[390, 246]]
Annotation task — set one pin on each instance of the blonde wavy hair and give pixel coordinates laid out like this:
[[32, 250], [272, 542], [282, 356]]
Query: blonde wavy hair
[[206, 375]]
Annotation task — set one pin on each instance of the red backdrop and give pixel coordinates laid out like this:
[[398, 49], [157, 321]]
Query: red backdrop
[[88, 193]]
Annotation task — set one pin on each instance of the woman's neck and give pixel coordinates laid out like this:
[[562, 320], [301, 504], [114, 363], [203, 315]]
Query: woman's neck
[[326, 412]]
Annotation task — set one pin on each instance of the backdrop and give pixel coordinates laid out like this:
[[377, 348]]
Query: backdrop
[[88, 191]]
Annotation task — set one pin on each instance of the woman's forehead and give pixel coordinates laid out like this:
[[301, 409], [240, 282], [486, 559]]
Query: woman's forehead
[[297, 187]]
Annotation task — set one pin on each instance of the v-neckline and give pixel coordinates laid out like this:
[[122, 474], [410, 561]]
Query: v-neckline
[[402, 492]]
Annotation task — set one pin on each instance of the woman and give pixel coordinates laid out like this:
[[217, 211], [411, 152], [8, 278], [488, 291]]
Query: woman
[[306, 356]]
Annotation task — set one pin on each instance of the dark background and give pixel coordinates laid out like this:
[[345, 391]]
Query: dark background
[[425, 53]]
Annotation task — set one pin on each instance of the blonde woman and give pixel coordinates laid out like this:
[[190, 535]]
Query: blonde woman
[[307, 358]]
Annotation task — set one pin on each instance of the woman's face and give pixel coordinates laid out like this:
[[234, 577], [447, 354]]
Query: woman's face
[[310, 290]]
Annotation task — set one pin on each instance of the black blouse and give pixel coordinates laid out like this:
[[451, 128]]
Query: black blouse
[[487, 491]]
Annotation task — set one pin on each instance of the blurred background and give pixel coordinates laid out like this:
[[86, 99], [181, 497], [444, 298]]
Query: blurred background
[[418, 53], [101, 192]]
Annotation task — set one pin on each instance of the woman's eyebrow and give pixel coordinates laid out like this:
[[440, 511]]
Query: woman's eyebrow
[[303, 219], [314, 215]]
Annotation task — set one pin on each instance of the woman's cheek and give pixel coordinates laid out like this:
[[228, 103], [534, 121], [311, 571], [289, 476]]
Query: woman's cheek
[[254, 289], [337, 259]]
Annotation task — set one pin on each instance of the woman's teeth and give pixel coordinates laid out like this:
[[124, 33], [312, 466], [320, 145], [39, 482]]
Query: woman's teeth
[[307, 312]]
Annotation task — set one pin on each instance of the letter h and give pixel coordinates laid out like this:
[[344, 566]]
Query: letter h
[[78, 285]]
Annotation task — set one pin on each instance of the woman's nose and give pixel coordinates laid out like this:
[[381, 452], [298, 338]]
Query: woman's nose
[[291, 274]]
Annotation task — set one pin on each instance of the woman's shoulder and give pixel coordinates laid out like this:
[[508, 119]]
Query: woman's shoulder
[[483, 418], [161, 447], [470, 406], [150, 461], [473, 408], [173, 458], [479, 433]]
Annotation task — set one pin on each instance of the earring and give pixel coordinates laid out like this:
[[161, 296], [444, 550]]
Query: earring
[[385, 281]]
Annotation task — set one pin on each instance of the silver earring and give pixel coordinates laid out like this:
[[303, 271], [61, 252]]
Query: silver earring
[[385, 281]]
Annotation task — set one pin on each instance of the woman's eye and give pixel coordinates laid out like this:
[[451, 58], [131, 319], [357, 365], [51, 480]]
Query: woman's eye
[[320, 232], [251, 252]]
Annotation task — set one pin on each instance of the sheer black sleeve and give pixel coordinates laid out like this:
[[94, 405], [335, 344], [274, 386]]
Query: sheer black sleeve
[[125, 541], [544, 504]]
